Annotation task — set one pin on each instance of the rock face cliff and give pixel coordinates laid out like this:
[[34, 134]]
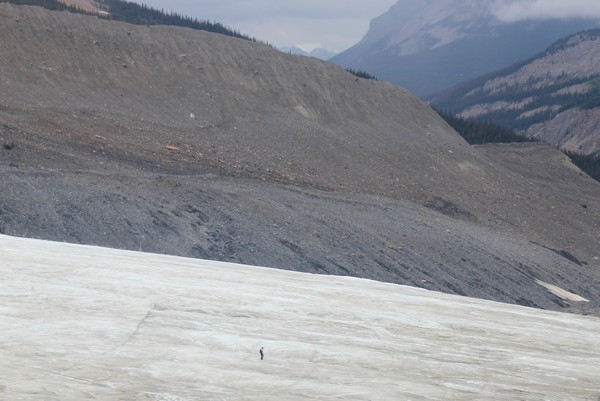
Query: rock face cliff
[[177, 141], [428, 46], [554, 96]]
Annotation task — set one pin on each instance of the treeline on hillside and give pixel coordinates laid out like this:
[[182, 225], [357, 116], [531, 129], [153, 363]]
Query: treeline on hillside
[[134, 13], [361, 74], [480, 132], [48, 4], [588, 163]]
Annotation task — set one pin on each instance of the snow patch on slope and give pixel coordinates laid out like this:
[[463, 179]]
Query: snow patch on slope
[[562, 293]]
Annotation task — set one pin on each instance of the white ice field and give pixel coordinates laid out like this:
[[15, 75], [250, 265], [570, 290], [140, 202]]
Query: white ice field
[[87, 323]]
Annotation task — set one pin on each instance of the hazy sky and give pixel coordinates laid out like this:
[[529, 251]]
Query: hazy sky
[[514, 10], [338, 24], [332, 24]]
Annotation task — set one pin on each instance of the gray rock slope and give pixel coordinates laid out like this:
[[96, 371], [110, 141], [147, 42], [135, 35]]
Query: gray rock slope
[[176, 141]]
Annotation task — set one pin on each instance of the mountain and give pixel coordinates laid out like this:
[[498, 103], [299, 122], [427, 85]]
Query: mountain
[[427, 46], [82, 322], [319, 52], [554, 96], [191, 143], [294, 50]]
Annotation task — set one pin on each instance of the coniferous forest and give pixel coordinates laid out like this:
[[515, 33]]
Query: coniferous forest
[[361, 74], [480, 132], [49, 4], [134, 13]]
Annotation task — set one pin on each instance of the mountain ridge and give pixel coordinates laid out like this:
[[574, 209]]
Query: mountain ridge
[[553, 96], [429, 46], [319, 52]]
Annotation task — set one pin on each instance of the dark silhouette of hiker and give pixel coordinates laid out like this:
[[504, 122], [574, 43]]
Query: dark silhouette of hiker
[[262, 353]]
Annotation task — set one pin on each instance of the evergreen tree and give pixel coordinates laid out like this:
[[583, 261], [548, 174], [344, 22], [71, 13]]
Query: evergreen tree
[[139, 14], [361, 74], [480, 132]]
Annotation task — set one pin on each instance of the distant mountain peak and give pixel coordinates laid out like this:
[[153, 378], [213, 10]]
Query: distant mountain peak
[[430, 45], [415, 26], [319, 52]]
